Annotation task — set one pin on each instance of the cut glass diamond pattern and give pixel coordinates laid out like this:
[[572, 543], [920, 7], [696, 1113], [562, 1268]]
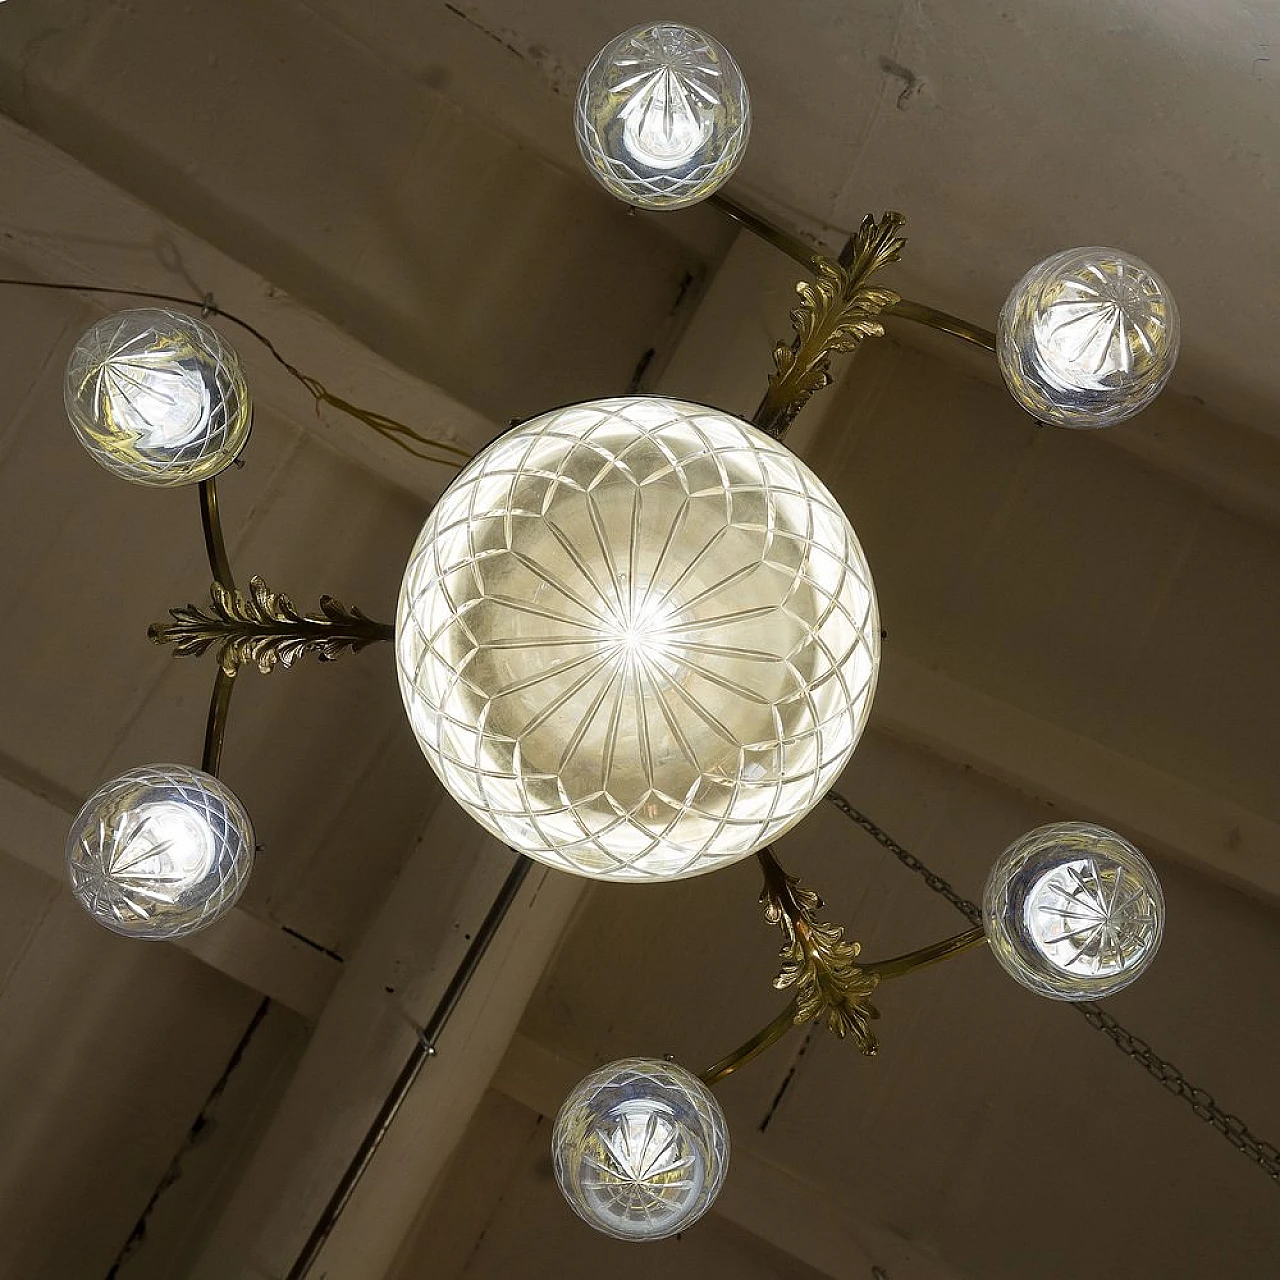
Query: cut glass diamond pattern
[[663, 116], [637, 639], [640, 1149], [1073, 911], [1087, 338], [157, 397], [160, 852]]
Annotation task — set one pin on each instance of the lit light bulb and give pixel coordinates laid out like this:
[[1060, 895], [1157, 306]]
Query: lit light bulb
[[1073, 911], [1087, 338], [157, 397], [160, 403], [663, 128], [663, 116], [637, 639], [160, 852], [640, 1149], [166, 845]]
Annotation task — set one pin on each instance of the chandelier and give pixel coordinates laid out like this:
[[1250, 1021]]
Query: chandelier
[[637, 638]]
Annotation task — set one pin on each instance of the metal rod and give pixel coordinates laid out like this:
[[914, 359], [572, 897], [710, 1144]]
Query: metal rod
[[804, 254], [768, 231], [214, 545], [758, 1043], [934, 954], [935, 319], [418, 1057], [224, 684]]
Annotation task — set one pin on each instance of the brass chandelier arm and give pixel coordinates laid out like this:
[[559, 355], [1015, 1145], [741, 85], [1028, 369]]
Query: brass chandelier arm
[[758, 1043], [830, 983], [266, 628], [791, 1016], [214, 544], [806, 255], [899, 966], [223, 687], [216, 726], [904, 309]]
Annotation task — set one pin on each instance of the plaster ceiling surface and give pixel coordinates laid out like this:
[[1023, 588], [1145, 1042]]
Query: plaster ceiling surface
[[1004, 131]]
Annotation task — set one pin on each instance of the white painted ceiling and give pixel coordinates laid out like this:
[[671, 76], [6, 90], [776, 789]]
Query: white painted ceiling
[[1078, 624]]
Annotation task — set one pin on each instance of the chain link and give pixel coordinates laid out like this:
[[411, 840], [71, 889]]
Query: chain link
[[1201, 1101], [970, 910]]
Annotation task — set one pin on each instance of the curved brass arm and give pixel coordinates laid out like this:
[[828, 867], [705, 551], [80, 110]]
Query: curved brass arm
[[753, 1047], [215, 547], [223, 681], [805, 253], [216, 727], [935, 954]]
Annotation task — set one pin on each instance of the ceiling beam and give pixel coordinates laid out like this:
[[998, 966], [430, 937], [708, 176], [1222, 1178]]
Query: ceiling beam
[[962, 724], [759, 1196], [260, 955]]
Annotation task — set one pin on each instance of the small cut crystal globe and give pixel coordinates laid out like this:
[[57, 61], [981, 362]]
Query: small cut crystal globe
[[160, 852], [1073, 911], [663, 116], [637, 639], [1087, 338], [157, 397], [640, 1149]]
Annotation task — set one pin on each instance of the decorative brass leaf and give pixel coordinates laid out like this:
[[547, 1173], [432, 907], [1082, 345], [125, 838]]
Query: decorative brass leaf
[[837, 312], [817, 961], [265, 627]]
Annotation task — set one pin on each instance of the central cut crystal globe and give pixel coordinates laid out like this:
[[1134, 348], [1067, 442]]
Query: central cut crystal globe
[[637, 639]]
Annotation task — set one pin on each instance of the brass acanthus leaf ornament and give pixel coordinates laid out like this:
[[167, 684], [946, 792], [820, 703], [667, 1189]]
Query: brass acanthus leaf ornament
[[265, 627], [837, 311], [817, 961]]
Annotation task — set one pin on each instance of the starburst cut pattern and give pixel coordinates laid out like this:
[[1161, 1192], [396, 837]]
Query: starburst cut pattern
[[1087, 338], [637, 639], [1105, 319], [160, 852], [663, 116], [640, 1168], [640, 1149], [1073, 911], [157, 397], [1091, 919]]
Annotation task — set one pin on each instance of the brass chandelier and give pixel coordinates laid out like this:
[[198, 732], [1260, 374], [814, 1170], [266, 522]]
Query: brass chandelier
[[637, 638]]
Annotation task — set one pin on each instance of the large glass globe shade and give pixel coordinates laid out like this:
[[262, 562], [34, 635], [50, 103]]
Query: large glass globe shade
[[1087, 338], [662, 116], [1073, 911], [157, 397], [640, 1149], [160, 852], [637, 638]]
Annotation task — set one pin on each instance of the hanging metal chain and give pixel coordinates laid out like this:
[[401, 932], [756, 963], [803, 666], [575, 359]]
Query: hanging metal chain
[[1236, 1132], [970, 910], [1264, 1154]]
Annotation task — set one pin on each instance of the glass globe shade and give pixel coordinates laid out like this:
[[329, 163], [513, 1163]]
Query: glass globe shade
[[160, 852], [637, 639], [1087, 338], [662, 116], [157, 397], [1073, 911], [640, 1149]]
